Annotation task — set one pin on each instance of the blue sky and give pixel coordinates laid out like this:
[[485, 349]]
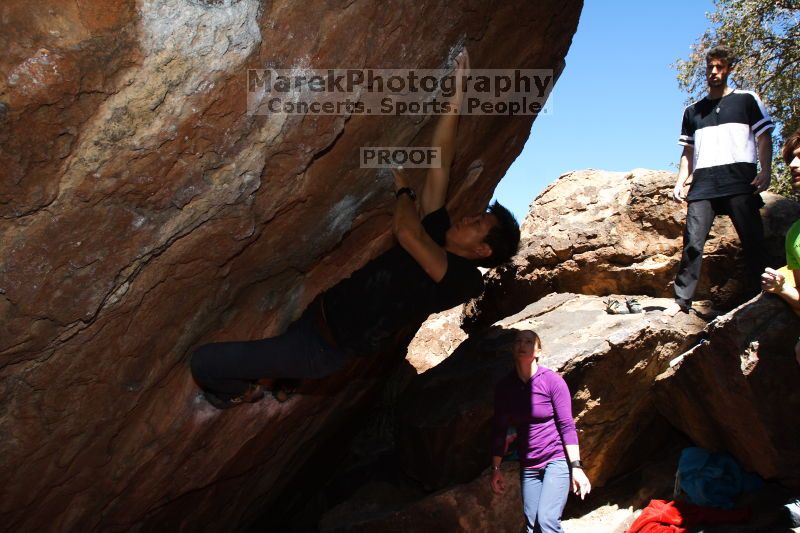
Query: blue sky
[[617, 105]]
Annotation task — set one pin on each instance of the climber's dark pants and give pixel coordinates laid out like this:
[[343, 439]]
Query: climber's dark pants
[[743, 210], [228, 368]]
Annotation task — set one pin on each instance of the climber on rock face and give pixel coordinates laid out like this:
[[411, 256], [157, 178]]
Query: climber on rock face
[[724, 136], [433, 267], [786, 281]]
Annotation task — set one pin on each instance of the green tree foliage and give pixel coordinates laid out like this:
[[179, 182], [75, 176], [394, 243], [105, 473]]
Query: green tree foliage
[[765, 34]]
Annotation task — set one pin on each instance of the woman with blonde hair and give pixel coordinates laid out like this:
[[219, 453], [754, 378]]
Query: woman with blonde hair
[[537, 402]]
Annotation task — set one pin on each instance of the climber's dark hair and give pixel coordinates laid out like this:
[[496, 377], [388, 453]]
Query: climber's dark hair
[[503, 238]]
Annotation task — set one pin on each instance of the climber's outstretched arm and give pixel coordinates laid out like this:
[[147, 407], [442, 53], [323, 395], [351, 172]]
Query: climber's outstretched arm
[[434, 193]]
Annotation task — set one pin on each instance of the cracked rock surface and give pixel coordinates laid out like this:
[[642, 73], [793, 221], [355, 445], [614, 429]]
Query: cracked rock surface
[[737, 390]]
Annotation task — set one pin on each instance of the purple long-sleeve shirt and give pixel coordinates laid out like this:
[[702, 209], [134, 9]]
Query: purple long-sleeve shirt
[[541, 411]]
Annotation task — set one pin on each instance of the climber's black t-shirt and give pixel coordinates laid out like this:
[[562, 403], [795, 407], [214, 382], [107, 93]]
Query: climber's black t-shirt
[[392, 292]]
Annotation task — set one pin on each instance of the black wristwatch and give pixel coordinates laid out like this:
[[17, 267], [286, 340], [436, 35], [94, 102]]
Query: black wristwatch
[[577, 464], [406, 190]]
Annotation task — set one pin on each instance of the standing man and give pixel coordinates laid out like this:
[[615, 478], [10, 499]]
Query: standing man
[[433, 267], [724, 136]]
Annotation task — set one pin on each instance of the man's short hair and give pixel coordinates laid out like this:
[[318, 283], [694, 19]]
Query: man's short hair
[[723, 52], [789, 147], [503, 238]]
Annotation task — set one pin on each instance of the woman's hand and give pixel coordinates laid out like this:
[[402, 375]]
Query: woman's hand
[[580, 483], [772, 281], [498, 482]]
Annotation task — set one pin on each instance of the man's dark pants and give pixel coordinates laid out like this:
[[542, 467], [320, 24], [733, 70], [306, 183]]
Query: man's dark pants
[[743, 210], [228, 368]]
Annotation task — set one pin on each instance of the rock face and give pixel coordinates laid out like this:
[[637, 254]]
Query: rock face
[[436, 340], [142, 212], [596, 232], [609, 361], [469, 507], [737, 390]]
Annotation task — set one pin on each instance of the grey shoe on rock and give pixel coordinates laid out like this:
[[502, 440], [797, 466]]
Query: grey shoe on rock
[[615, 307], [633, 305]]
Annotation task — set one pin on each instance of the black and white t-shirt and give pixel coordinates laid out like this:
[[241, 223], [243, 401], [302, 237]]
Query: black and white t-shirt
[[393, 293], [723, 133]]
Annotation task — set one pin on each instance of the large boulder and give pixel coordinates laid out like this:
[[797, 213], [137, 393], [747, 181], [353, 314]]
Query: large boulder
[[598, 232], [609, 362], [473, 507], [436, 340], [737, 391], [143, 211]]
